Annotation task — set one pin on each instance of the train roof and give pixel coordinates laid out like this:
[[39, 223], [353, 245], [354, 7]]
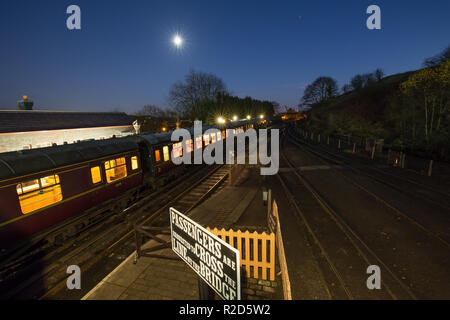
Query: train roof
[[163, 137], [19, 163]]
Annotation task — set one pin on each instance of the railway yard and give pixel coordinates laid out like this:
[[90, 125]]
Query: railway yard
[[339, 213], [354, 214]]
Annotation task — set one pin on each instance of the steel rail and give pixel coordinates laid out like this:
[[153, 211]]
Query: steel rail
[[324, 159]]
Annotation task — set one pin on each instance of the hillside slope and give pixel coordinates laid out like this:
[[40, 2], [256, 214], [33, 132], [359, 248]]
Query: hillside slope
[[364, 112]]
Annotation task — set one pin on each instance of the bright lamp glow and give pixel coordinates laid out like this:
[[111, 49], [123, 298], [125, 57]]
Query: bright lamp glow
[[220, 120], [248, 117], [261, 116], [234, 118], [177, 41]]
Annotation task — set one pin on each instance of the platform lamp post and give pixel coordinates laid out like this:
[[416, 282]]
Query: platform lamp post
[[25, 103], [265, 196]]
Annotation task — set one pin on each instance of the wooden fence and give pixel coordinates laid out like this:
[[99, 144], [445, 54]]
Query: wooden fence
[[257, 251], [274, 223]]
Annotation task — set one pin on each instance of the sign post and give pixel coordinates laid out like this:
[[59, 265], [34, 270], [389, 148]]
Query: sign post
[[215, 261]]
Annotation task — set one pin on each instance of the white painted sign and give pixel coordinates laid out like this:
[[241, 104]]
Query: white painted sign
[[214, 260]]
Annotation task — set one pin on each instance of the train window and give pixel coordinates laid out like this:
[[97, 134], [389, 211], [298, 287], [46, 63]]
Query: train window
[[28, 186], [134, 163], [96, 175], [219, 136], [198, 142], [166, 153], [49, 181], [213, 137], [189, 146], [206, 138], [157, 156], [39, 193], [177, 150], [115, 169]]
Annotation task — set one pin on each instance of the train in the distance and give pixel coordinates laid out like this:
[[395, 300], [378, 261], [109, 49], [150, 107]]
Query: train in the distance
[[43, 189]]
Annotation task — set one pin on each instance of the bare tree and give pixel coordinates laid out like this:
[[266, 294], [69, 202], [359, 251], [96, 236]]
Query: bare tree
[[346, 88], [379, 74], [189, 97], [151, 111], [368, 78], [438, 59], [357, 82], [320, 90]]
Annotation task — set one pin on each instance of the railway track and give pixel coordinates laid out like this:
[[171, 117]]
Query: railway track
[[442, 236], [400, 183], [342, 254], [45, 273], [400, 284]]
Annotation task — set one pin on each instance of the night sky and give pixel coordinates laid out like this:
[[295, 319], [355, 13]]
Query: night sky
[[123, 58]]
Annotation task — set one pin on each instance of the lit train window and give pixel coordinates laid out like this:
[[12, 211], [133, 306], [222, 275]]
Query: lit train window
[[206, 138], [39, 193], [28, 186], [115, 169], [166, 153], [157, 156], [219, 136], [134, 163], [96, 175], [189, 146], [213, 137], [198, 142], [177, 150]]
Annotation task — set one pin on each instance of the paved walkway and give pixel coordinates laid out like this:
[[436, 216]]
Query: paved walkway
[[156, 278], [148, 279]]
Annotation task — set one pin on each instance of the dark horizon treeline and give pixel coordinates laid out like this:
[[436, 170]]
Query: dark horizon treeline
[[204, 96]]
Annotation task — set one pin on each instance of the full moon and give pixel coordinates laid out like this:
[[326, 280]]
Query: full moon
[[177, 41]]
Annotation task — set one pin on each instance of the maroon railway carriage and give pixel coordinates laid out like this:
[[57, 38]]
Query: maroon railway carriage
[[157, 150], [40, 188]]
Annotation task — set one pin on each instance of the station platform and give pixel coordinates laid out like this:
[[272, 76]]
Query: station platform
[[163, 279]]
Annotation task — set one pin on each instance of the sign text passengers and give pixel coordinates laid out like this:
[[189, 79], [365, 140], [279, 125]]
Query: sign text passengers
[[214, 260]]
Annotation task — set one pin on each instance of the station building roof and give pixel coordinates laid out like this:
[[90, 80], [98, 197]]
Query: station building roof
[[39, 120]]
